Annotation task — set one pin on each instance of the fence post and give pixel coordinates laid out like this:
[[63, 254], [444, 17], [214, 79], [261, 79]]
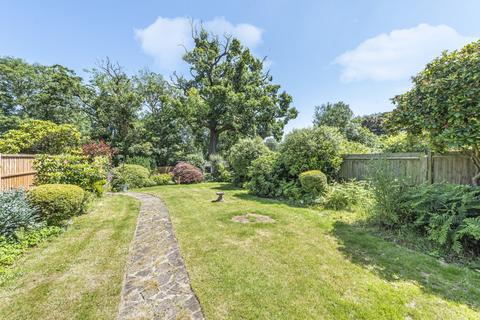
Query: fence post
[[429, 167]]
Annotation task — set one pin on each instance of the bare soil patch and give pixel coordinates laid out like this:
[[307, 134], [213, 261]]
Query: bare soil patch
[[252, 218]]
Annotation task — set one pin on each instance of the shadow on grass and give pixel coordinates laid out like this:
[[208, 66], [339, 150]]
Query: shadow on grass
[[251, 197], [227, 187], [395, 263]]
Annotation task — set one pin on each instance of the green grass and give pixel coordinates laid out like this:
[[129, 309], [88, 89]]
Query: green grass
[[78, 275], [310, 264]]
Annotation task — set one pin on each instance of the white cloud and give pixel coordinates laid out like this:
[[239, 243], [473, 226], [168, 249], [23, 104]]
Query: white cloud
[[166, 39], [399, 54]]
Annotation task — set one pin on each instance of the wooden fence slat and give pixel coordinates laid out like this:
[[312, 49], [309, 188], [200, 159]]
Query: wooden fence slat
[[16, 171], [452, 167]]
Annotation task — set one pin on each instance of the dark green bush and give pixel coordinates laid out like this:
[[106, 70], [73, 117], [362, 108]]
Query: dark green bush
[[195, 159], [162, 178], [87, 173], [263, 176], [16, 213], [131, 175], [448, 214], [57, 202], [314, 183], [242, 154], [316, 148]]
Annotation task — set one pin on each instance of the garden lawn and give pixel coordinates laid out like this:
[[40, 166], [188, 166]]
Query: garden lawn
[[77, 275], [309, 264]]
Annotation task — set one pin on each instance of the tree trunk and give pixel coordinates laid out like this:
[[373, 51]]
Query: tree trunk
[[212, 146], [475, 155]]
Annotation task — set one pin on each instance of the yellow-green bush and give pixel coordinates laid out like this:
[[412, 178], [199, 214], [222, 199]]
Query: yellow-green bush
[[162, 178], [132, 175], [57, 202], [314, 182]]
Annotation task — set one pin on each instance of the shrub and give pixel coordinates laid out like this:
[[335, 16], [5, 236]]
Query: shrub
[[314, 183], [98, 149], [185, 173], [219, 170], [38, 136], [311, 149], [15, 213], [57, 202], [162, 178], [81, 171], [146, 162], [448, 214], [263, 176], [341, 196], [242, 154], [132, 175], [386, 190]]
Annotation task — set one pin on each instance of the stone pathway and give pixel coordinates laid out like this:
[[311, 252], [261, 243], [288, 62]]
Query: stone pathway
[[156, 284]]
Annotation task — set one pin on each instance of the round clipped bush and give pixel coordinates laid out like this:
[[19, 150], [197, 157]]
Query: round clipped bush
[[57, 202], [314, 182], [162, 178], [130, 175], [311, 149], [184, 173]]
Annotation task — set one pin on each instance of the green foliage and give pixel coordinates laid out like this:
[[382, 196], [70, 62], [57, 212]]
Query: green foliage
[[447, 214], [40, 92], [263, 176], [81, 171], [146, 162], [15, 213], [347, 195], [37, 136], [272, 144], [337, 115], [443, 102], [57, 202], [220, 172], [376, 123], [314, 183], [349, 147], [11, 249], [162, 178], [195, 159], [386, 189], [315, 148], [132, 176], [230, 93], [242, 154], [403, 142]]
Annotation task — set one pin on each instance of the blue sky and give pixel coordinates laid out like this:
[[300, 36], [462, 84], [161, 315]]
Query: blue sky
[[361, 52]]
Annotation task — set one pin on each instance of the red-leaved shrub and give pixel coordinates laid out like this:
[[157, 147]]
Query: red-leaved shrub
[[186, 173], [95, 149]]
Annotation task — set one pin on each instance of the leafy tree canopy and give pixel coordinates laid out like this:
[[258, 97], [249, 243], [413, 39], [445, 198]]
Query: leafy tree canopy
[[337, 115], [229, 91], [445, 102]]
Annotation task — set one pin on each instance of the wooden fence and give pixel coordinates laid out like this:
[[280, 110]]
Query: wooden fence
[[453, 167], [16, 171]]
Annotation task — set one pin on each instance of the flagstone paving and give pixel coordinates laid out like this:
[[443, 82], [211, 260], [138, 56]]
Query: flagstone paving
[[156, 284]]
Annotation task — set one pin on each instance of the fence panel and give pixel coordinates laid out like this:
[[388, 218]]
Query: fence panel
[[16, 171], [413, 165], [453, 167]]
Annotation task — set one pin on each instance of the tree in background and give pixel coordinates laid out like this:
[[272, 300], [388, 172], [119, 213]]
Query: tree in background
[[229, 91], [170, 138], [113, 105], [375, 122], [338, 115], [52, 93], [444, 102]]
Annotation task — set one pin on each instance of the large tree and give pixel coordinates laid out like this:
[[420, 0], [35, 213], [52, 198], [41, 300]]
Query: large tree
[[41, 92], [113, 105], [337, 115], [164, 127], [445, 102], [230, 92]]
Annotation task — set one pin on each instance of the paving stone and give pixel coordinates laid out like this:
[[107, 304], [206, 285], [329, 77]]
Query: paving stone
[[156, 283]]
